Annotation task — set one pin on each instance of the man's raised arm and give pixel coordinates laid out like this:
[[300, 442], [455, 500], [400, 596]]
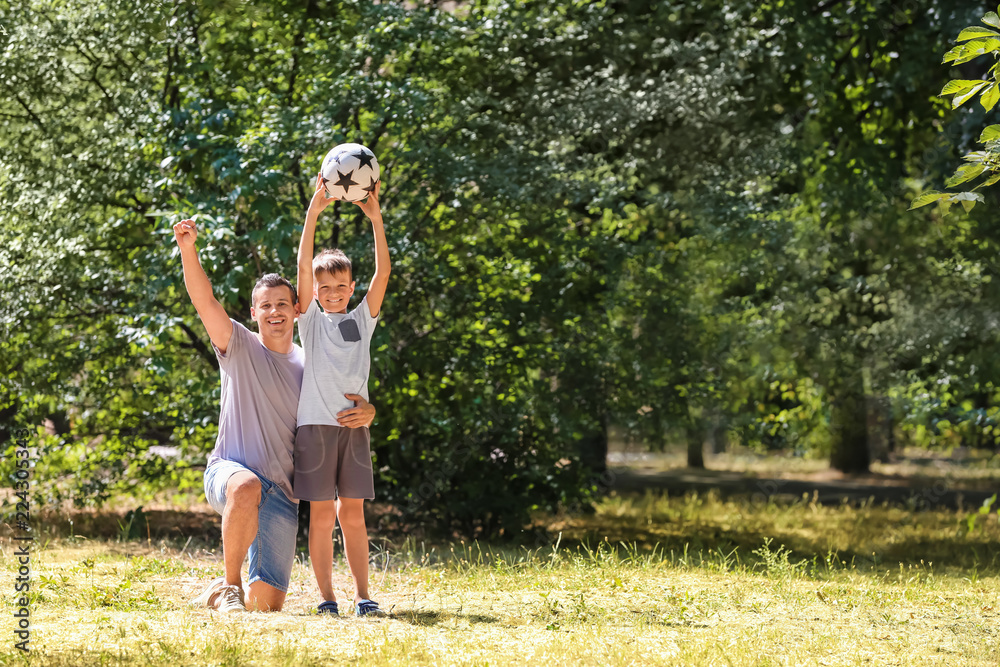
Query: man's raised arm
[[211, 312]]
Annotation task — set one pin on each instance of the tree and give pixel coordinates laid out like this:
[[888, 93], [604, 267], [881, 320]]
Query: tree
[[852, 260]]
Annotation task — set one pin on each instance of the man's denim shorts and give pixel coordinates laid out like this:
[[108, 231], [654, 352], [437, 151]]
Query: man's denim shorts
[[273, 550]]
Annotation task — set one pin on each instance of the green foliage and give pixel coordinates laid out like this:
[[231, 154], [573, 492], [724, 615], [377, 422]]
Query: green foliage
[[972, 519], [775, 563], [121, 597], [974, 42], [134, 525], [661, 217]]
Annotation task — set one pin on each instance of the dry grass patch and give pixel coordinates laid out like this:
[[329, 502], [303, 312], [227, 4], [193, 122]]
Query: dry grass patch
[[782, 596]]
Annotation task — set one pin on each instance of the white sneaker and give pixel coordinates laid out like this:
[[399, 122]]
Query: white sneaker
[[231, 599], [221, 597]]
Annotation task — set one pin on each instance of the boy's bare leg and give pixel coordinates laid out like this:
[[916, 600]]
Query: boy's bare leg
[[239, 523], [351, 512], [322, 521]]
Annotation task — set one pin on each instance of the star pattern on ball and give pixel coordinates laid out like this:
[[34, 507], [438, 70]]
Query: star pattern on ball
[[345, 180], [364, 159], [371, 186]]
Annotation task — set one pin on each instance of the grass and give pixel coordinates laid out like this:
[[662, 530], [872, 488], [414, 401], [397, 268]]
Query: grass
[[678, 581], [866, 535]]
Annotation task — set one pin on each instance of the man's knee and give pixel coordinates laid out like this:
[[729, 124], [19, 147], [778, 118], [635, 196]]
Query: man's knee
[[264, 597], [243, 489]]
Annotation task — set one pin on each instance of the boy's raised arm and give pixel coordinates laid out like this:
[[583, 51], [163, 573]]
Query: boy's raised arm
[[211, 312], [380, 281], [304, 280]]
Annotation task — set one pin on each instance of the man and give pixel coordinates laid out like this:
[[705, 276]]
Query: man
[[248, 479]]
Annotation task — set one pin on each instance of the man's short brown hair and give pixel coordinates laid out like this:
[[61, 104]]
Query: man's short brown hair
[[272, 280], [332, 261]]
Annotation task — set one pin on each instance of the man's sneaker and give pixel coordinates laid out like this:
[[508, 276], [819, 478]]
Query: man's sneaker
[[231, 599], [369, 608], [209, 595], [221, 597]]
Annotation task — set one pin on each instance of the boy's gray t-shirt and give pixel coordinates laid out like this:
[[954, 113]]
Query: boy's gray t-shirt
[[260, 400], [337, 348]]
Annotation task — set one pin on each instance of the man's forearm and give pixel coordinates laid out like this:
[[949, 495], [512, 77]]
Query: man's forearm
[[195, 280]]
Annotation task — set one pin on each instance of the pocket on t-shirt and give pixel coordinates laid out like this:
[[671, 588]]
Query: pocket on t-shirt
[[349, 330]]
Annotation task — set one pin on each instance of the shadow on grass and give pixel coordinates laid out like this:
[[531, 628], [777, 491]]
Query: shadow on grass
[[426, 618], [697, 528], [703, 545], [914, 492]]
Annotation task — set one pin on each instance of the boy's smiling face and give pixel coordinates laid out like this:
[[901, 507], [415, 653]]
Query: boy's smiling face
[[333, 290]]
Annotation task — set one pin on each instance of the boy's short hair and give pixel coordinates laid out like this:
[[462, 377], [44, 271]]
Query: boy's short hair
[[332, 261], [272, 280]]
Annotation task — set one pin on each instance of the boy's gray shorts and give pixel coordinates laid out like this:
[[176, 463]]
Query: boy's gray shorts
[[332, 462]]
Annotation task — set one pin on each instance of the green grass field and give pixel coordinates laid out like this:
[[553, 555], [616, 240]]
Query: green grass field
[[645, 580]]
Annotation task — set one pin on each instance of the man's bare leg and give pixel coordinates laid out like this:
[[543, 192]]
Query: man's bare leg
[[351, 512], [322, 521], [239, 523]]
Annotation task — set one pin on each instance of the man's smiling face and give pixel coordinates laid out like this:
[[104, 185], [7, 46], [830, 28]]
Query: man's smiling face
[[275, 311]]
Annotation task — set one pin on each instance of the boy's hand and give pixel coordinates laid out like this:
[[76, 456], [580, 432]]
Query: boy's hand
[[319, 200], [185, 233], [370, 205], [363, 414]]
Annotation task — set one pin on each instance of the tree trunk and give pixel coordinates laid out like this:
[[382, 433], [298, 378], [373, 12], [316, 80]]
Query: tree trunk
[[848, 426], [880, 438], [716, 433], [696, 446], [594, 448]]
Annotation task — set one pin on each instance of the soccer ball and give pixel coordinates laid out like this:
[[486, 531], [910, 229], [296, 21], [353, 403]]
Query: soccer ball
[[350, 172]]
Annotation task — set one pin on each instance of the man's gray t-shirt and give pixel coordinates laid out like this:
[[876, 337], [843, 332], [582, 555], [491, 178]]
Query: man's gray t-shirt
[[260, 400], [338, 358]]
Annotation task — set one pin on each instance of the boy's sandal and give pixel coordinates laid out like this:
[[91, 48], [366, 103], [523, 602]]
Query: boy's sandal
[[369, 608], [328, 607]]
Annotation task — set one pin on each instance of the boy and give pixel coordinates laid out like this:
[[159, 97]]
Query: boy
[[333, 465]]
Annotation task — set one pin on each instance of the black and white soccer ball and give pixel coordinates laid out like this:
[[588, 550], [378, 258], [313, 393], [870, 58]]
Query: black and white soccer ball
[[350, 172]]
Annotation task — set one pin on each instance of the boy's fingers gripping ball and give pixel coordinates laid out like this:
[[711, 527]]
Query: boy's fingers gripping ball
[[350, 172]]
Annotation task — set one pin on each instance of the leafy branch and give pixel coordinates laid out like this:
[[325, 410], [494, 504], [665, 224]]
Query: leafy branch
[[973, 42]]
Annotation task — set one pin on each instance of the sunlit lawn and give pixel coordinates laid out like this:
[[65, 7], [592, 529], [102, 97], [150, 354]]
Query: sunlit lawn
[[699, 582]]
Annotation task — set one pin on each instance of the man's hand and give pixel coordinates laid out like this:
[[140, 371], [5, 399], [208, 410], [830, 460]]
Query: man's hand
[[370, 205], [319, 200], [362, 414], [185, 233]]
